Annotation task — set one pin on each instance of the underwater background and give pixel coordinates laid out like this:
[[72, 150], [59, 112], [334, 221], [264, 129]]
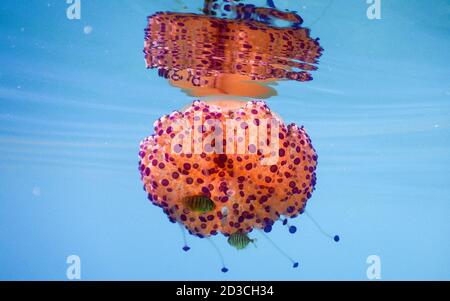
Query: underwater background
[[76, 100]]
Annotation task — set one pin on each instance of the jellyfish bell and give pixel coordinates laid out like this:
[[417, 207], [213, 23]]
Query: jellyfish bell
[[254, 195]]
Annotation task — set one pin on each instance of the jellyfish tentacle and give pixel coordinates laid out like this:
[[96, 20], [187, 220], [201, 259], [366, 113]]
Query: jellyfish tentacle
[[335, 237], [224, 268], [183, 233], [295, 263]]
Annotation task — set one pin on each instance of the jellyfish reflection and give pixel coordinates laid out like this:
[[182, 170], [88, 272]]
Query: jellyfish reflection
[[237, 56]]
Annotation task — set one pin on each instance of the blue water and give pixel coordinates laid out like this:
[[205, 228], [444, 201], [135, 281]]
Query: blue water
[[75, 103]]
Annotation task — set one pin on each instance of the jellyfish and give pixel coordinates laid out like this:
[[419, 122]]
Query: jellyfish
[[213, 158], [256, 185], [227, 164]]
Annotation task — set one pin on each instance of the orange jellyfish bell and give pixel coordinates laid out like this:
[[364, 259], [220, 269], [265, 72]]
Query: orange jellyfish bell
[[238, 54], [215, 152]]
